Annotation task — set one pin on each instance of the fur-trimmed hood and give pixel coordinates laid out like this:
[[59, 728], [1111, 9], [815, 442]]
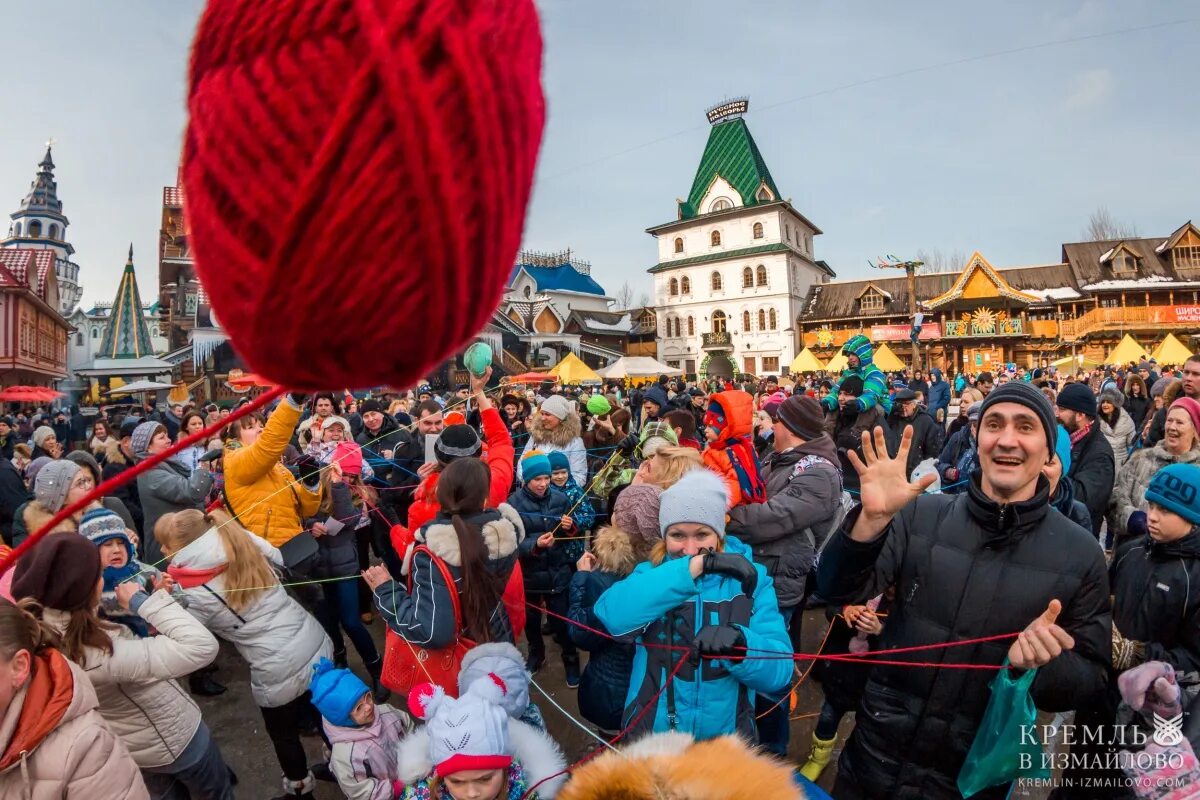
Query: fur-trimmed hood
[[567, 432], [502, 532], [615, 552], [674, 765], [537, 753], [36, 515]]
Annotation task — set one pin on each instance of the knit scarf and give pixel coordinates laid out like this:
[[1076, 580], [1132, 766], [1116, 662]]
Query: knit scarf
[[189, 578], [115, 575], [744, 460], [1079, 434]]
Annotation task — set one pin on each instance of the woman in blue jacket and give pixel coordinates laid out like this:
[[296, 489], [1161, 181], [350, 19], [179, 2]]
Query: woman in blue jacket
[[699, 591]]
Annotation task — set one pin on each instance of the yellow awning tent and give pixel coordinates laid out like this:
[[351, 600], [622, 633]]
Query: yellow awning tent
[[1071, 365], [805, 361], [1171, 351], [886, 360], [837, 363], [1127, 350], [572, 370]]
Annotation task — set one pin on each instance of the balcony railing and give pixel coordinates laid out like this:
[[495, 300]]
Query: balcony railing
[[1148, 318], [721, 340], [1001, 327]]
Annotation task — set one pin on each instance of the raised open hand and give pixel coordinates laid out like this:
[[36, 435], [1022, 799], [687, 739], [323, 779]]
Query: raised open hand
[[884, 487]]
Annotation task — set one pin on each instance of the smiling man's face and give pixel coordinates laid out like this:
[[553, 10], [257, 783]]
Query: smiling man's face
[[1012, 451]]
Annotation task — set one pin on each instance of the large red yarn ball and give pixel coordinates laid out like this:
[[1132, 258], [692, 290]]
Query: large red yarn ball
[[356, 174]]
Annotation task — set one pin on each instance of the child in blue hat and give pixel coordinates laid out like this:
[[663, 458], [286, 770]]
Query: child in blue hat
[[364, 735], [106, 530], [577, 500]]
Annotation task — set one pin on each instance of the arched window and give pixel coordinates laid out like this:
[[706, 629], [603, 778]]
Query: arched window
[[788, 229], [674, 290], [54, 232], [685, 285], [17, 229], [761, 272], [719, 322], [79, 339], [771, 322], [747, 278], [95, 333], [746, 321], [35, 228], [528, 291], [721, 204], [678, 244], [715, 238], [758, 230], [677, 332], [716, 282], [691, 326], [762, 320]]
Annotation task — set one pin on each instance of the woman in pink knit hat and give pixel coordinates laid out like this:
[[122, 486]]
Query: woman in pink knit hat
[[1180, 445]]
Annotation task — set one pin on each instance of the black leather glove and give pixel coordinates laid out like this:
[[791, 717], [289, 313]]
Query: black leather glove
[[627, 445], [720, 640], [299, 398], [735, 566]]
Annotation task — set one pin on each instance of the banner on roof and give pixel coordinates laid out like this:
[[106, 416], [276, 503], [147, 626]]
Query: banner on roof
[[900, 333], [1184, 314]]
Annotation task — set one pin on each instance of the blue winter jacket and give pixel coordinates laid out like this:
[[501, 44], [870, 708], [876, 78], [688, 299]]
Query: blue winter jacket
[[939, 397], [545, 571], [665, 605]]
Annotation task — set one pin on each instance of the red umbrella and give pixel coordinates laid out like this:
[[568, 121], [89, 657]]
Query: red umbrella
[[531, 377], [29, 394], [248, 380]]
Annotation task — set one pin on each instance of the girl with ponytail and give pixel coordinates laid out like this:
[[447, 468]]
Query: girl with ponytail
[[233, 589], [477, 545], [53, 741]]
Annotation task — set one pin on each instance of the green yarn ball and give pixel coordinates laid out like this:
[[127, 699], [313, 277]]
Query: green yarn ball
[[477, 358]]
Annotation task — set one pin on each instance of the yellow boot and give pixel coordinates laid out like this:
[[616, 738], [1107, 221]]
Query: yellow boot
[[818, 757]]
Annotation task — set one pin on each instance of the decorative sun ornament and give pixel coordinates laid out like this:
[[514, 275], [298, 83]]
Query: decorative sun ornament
[[984, 320], [824, 337]]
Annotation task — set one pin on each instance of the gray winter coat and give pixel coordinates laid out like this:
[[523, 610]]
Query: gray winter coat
[[1129, 494], [804, 488], [1120, 435], [165, 489], [338, 553]]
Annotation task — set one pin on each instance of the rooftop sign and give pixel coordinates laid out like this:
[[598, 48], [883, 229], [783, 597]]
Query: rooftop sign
[[728, 110]]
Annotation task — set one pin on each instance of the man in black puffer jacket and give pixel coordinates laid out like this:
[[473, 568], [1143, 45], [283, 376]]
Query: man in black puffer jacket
[[545, 563], [994, 560], [927, 437]]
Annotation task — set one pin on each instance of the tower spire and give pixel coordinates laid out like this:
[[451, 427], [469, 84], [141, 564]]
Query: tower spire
[[126, 334]]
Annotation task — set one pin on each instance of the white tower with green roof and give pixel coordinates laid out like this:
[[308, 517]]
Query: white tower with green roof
[[734, 267]]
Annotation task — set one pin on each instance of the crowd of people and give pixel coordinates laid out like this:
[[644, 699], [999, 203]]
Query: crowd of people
[[662, 539]]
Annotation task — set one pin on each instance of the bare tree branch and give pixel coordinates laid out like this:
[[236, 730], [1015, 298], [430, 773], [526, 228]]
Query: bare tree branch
[[1101, 226], [643, 299], [624, 296], [938, 261]]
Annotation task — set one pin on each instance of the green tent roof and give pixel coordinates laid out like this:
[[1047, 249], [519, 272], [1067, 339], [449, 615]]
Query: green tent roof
[[126, 334], [731, 154]]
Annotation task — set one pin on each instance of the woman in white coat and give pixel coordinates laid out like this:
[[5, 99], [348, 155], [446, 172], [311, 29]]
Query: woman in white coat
[[134, 677], [233, 589]]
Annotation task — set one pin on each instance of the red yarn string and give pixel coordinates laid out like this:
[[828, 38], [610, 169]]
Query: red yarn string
[[117, 481], [651, 703], [858, 658]]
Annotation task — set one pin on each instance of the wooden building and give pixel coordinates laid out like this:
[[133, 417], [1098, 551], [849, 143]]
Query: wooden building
[[33, 333], [984, 316]]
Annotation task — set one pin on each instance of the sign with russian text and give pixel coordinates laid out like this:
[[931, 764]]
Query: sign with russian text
[[1184, 314], [733, 108], [901, 333]]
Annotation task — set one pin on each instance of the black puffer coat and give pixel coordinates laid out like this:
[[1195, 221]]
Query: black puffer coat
[[1093, 472], [545, 571], [928, 436], [337, 554], [963, 567], [605, 680], [1156, 586]]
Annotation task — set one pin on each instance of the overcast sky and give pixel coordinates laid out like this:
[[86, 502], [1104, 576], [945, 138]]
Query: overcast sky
[[892, 126]]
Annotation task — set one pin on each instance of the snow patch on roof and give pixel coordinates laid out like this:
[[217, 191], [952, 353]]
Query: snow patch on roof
[[623, 325], [1138, 283], [816, 294], [1054, 293], [1107, 256]]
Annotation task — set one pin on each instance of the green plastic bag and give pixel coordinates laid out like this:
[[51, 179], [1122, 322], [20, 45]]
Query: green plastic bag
[[1000, 753]]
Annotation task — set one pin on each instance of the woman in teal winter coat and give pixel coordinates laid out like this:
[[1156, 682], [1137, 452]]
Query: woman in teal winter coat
[[699, 592]]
